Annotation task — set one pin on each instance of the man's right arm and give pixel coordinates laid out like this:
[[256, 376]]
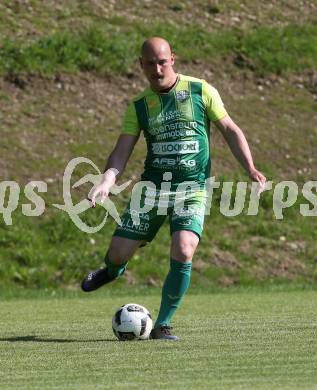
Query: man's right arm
[[115, 166]]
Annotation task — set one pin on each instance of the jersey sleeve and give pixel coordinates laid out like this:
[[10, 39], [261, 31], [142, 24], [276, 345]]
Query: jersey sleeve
[[214, 105], [130, 123]]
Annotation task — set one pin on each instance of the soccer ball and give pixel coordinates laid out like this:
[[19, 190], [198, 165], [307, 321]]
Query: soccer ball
[[132, 322]]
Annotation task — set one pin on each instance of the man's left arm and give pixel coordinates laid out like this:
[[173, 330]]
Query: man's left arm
[[239, 147]]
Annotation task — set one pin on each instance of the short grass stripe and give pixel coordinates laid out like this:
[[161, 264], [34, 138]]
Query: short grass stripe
[[234, 340]]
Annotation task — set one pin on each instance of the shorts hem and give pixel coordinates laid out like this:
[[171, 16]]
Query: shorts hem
[[188, 229], [131, 237]]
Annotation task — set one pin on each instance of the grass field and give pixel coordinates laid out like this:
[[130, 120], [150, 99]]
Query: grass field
[[234, 340]]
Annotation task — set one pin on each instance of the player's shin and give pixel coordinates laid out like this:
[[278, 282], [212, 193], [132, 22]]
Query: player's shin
[[175, 287]]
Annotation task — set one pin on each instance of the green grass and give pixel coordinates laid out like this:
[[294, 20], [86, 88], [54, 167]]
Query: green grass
[[53, 252], [242, 340], [275, 50], [113, 48]]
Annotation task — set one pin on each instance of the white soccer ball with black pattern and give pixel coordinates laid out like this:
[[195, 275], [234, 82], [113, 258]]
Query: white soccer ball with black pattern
[[132, 322]]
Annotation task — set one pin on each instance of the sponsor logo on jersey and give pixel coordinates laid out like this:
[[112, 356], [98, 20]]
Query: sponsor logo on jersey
[[183, 147], [164, 117], [182, 96], [171, 162]]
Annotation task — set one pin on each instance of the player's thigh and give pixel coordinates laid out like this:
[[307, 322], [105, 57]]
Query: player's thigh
[[122, 249], [184, 244], [186, 226]]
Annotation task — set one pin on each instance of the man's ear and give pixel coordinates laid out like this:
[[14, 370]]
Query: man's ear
[[140, 61], [172, 58]]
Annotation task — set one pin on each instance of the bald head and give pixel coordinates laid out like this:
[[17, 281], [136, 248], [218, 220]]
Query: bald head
[[157, 60], [155, 45]]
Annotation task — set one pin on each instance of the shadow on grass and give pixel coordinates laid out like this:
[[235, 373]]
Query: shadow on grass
[[43, 340]]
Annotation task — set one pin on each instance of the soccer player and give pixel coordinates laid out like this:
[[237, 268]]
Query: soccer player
[[174, 112]]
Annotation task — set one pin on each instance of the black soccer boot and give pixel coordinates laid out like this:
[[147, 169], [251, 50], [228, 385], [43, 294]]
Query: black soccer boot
[[96, 279], [163, 332]]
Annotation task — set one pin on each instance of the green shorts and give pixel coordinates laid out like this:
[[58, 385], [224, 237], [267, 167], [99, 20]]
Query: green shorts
[[143, 226]]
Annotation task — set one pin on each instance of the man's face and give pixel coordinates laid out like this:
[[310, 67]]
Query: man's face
[[157, 64]]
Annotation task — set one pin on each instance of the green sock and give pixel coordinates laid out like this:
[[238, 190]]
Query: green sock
[[175, 287], [113, 270]]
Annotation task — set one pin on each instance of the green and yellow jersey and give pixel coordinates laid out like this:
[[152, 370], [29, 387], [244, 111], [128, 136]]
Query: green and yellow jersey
[[176, 127]]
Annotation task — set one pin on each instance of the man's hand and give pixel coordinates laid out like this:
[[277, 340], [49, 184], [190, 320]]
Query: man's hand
[[258, 177], [101, 190]]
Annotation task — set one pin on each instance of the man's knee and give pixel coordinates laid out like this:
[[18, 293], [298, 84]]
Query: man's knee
[[184, 252], [184, 244]]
